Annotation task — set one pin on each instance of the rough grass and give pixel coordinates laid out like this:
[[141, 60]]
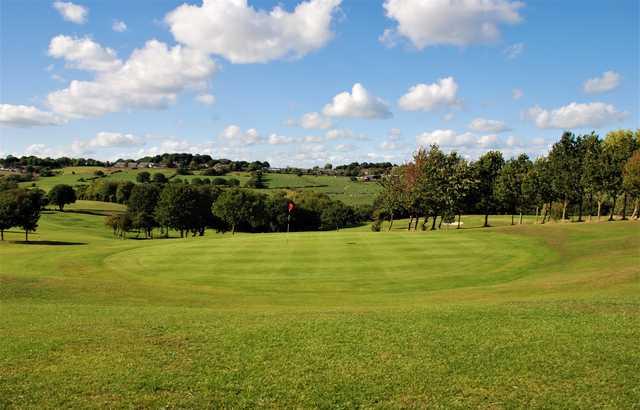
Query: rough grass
[[524, 316]]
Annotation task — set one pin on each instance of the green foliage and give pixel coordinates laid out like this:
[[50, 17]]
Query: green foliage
[[486, 171], [141, 207], [159, 178], [61, 195], [143, 177], [240, 207]]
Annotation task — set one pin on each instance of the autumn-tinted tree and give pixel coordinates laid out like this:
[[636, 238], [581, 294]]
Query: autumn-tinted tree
[[61, 195], [389, 201]]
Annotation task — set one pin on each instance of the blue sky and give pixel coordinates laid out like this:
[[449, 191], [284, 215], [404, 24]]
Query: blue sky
[[234, 78]]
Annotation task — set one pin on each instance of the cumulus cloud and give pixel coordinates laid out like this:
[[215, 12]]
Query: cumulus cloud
[[235, 136], [513, 51], [446, 138], [575, 115], [275, 139], [206, 99], [450, 22], [107, 140], [517, 93], [357, 104], [72, 12], [485, 125], [119, 26], [24, 116], [152, 77], [314, 120], [311, 139], [242, 34], [83, 53], [608, 81], [426, 97]]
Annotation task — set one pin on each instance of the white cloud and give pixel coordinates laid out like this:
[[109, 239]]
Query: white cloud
[[446, 138], [23, 116], [314, 120], [513, 51], [575, 115], [451, 22], [485, 125], [275, 139], [107, 140], [206, 99], [119, 26], [311, 138], [83, 53], [517, 93], [242, 34], [607, 82], [152, 77], [234, 135], [427, 97], [72, 12], [357, 104]]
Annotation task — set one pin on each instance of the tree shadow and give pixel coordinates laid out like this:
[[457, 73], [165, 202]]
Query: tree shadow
[[49, 243]]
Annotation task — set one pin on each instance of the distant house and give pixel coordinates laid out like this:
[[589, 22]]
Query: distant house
[[158, 165], [120, 164], [144, 164], [132, 165]]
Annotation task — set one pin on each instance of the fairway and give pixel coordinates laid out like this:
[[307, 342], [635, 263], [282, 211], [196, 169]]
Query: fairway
[[526, 316]]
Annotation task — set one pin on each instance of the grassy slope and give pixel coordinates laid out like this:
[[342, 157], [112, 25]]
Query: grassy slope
[[341, 188], [527, 316]]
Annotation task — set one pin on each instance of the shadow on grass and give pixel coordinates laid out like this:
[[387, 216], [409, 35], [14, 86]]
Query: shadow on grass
[[49, 243]]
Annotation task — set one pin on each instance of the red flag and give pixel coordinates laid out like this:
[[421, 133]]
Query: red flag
[[291, 206]]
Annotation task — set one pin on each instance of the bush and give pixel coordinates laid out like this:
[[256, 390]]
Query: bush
[[376, 226]]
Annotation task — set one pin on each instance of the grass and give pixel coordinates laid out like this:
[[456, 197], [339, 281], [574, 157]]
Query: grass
[[524, 316], [342, 188]]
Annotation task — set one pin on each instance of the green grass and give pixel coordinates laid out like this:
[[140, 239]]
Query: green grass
[[524, 316], [342, 188]]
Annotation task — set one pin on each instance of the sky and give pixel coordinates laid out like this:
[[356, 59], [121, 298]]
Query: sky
[[304, 83]]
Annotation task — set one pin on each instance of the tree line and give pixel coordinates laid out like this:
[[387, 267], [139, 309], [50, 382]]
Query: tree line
[[190, 209], [581, 175]]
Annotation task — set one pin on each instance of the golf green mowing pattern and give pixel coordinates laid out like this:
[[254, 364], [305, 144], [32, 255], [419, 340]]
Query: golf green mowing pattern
[[524, 316]]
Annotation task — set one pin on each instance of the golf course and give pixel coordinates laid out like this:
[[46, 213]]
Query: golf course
[[508, 316]]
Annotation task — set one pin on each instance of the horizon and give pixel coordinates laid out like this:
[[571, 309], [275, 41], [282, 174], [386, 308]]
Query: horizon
[[365, 84]]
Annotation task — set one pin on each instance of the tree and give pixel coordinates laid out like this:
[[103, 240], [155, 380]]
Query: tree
[[618, 146], [593, 172], [536, 188], [159, 178], [124, 191], [238, 206], [143, 177], [631, 180], [565, 160], [141, 206], [29, 205], [487, 168], [257, 181], [8, 211], [337, 215], [389, 201], [62, 194], [509, 184]]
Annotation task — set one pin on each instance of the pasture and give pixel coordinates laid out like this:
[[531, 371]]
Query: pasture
[[524, 316], [337, 187]]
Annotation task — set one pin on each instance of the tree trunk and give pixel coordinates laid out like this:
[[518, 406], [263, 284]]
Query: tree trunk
[[590, 205], [537, 213], [26, 235], [433, 223], [233, 229], [546, 210], [512, 220], [613, 208], [520, 218], [441, 219], [486, 221], [599, 208], [390, 222], [415, 227], [564, 209], [410, 222], [580, 210], [624, 207], [634, 215], [458, 221]]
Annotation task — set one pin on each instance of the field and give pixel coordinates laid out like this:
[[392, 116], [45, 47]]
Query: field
[[342, 188], [524, 316]]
